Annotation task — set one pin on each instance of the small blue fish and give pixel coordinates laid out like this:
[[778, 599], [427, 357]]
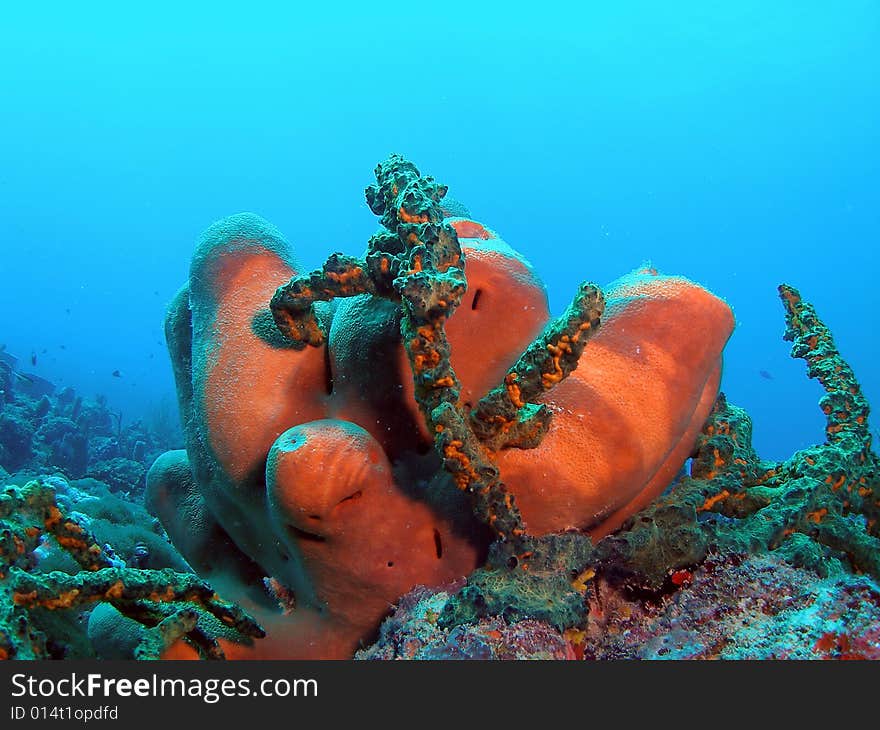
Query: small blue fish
[[764, 374]]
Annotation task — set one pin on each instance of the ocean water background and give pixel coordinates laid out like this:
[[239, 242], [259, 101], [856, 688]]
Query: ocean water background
[[735, 143]]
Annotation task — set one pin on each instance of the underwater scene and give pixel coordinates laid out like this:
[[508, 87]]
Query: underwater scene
[[440, 332]]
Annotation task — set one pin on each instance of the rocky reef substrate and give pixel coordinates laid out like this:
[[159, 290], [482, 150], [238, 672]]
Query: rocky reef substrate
[[44, 431]]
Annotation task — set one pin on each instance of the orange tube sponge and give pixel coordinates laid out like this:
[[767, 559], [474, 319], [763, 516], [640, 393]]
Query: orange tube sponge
[[360, 541], [502, 287], [627, 418], [313, 464], [247, 386]]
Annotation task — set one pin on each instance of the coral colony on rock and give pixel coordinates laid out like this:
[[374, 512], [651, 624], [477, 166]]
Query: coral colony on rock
[[403, 456]]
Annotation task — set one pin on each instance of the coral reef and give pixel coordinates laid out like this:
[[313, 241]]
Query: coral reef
[[118, 473], [571, 488], [47, 433], [740, 559], [43, 602], [309, 464], [417, 260], [414, 631], [755, 607], [746, 607], [819, 507]]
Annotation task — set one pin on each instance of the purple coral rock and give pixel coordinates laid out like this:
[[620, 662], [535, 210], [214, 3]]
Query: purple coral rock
[[412, 632], [759, 607]]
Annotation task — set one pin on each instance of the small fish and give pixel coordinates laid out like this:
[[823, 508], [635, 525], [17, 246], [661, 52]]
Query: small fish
[[764, 374], [140, 556], [63, 347], [33, 358], [117, 374], [67, 310]]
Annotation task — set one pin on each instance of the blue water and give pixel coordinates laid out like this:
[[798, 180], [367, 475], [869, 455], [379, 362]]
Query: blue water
[[734, 143]]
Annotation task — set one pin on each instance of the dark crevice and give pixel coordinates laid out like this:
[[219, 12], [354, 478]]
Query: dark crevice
[[328, 371], [305, 535], [351, 497], [438, 543], [477, 294]]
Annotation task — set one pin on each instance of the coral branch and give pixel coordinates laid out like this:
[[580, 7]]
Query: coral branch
[[123, 586], [30, 515], [508, 415], [417, 260], [820, 506], [844, 404], [158, 639], [292, 305], [473, 470], [39, 514]]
